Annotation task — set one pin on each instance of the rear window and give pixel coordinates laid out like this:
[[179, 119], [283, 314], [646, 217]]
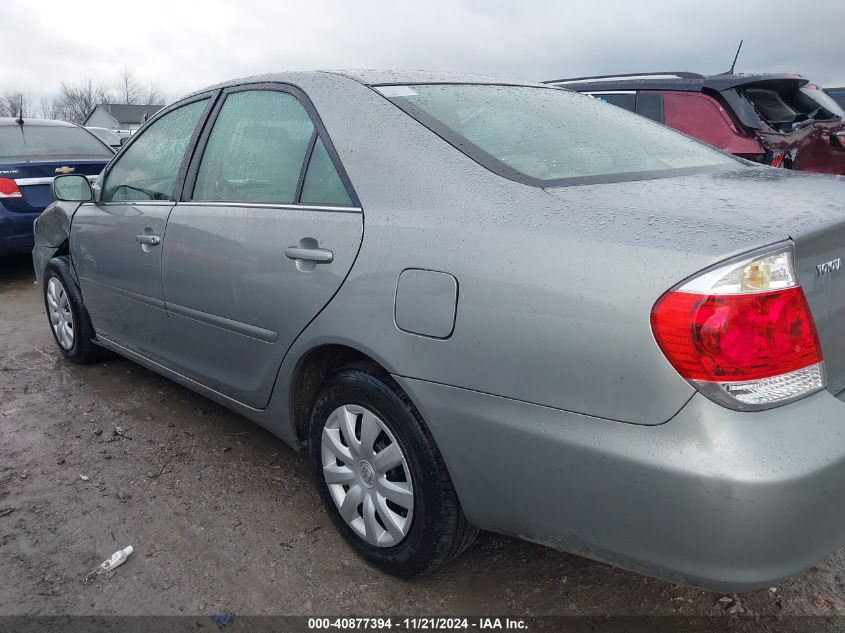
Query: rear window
[[824, 100], [787, 106], [39, 142], [105, 135], [547, 136]]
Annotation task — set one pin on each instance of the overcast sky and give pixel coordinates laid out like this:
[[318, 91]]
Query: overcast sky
[[187, 45]]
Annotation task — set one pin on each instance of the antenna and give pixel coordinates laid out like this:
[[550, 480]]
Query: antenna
[[19, 120], [739, 48]]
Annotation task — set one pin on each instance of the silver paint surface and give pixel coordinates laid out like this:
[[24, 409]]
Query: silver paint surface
[[426, 302], [551, 363]]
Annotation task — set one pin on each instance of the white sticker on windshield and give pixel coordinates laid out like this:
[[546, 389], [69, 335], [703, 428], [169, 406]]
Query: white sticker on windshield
[[396, 91]]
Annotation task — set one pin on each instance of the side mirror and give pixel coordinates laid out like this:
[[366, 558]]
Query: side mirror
[[72, 188]]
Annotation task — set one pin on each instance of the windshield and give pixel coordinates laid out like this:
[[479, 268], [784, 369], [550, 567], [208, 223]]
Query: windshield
[[39, 142], [547, 136]]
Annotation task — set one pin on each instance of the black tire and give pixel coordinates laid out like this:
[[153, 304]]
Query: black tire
[[439, 530], [84, 350]]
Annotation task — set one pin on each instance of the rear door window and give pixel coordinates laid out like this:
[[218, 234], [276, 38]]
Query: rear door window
[[256, 150], [149, 167]]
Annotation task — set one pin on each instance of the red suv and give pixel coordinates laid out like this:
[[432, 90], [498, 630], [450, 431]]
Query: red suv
[[780, 120]]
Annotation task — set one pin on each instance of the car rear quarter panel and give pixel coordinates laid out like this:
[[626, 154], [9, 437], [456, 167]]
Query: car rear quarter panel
[[703, 117]]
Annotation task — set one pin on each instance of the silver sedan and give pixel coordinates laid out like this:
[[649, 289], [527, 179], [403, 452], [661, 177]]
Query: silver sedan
[[486, 304]]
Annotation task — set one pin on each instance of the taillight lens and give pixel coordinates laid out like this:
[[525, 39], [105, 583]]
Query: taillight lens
[[9, 188], [743, 333], [778, 158]]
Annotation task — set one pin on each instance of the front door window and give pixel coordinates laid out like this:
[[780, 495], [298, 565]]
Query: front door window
[[149, 167]]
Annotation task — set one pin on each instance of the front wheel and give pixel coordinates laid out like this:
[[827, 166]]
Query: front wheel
[[68, 317], [381, 477]]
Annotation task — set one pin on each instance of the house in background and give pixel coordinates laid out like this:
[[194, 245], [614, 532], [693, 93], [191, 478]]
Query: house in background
[[119, 116]]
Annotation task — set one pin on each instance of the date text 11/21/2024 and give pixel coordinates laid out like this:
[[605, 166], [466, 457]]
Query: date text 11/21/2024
[[417, 624]]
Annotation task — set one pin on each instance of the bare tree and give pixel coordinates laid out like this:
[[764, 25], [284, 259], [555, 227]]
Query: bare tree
[[76, 100], [154, 94], [128, 89], [51, 108], [104, 95], [16, 104]]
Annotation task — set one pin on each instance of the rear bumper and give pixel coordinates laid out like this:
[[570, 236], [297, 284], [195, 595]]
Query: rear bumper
[[16, 231], [725, 500]]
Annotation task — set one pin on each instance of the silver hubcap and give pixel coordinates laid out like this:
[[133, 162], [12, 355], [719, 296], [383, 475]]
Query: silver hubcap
[[367, 475], [60, 315]]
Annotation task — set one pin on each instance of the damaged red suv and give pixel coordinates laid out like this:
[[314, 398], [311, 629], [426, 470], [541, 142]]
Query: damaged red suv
[[780, 120]]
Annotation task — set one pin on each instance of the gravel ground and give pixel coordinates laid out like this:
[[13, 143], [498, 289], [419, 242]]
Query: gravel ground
[[223, 516]]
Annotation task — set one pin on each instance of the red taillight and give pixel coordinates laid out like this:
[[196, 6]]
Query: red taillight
[[742, 333], [778, 158], [9, 188], [724, 338]]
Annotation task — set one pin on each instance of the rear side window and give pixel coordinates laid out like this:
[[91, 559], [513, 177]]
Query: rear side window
[[256, 149], [322, 183], [625, 100], [40, 142], [148, 168], [650, 105]]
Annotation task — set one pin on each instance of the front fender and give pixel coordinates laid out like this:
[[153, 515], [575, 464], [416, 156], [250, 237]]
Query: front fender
[[52, 230]]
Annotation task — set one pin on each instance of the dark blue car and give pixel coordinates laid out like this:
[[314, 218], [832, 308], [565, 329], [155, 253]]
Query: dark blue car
[[32, 153]]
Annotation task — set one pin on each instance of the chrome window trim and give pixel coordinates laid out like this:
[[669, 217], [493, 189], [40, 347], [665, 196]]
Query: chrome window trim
[[135, 203], [257, 205], [46, 180]]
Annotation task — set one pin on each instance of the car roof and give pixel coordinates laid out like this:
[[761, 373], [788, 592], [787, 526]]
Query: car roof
[[370, 77], [681, 81], [375, 77], [7, 120]]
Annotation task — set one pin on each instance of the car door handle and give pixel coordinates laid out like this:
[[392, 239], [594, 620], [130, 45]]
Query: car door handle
[[152, 240], [316, 255]]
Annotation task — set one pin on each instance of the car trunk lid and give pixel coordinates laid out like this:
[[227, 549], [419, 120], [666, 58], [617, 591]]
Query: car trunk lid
[[711, 217], [34, 180], [819, 256]]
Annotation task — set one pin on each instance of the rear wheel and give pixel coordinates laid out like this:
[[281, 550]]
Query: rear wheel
[[68, 317], [381, 476]]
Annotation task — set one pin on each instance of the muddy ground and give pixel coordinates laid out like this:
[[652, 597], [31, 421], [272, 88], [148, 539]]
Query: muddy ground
[[223, 516]]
